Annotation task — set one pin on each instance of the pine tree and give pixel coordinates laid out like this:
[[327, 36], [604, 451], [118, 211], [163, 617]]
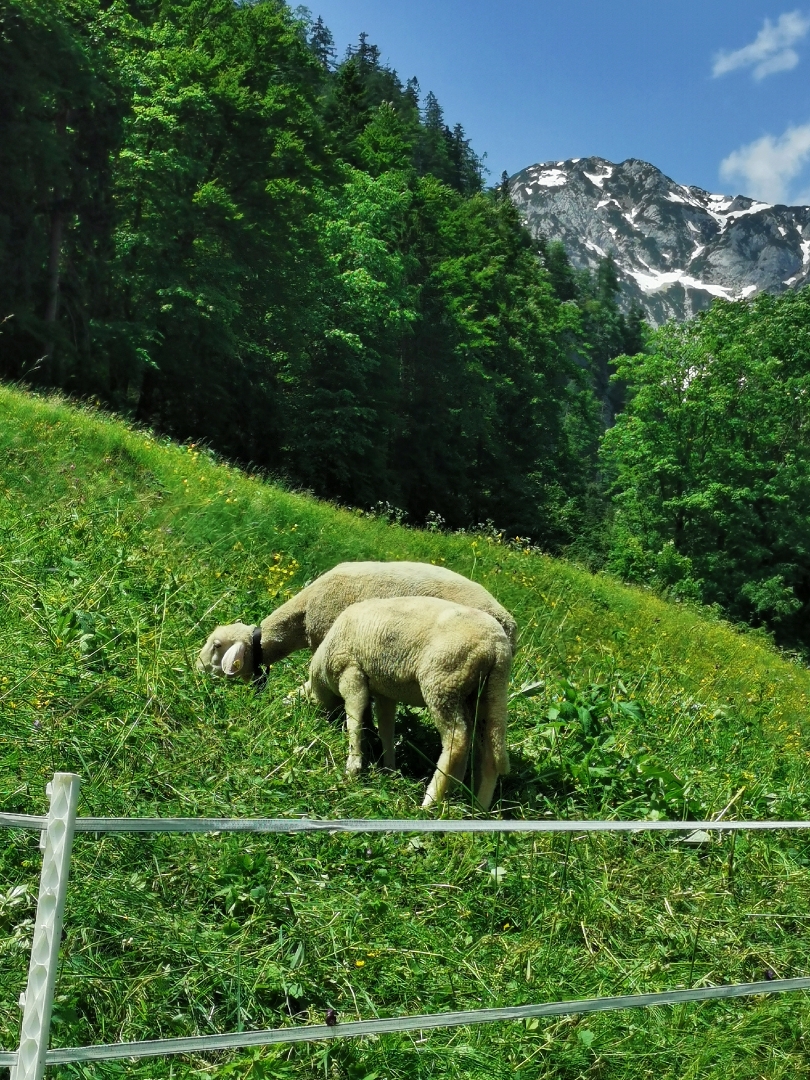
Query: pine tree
[[412, 92], [384, 145], [433, 114], [605, 332], [348, 112], [556, 261], [467, 165], [368, 56], [636, 330], [323, 44], [432, 149], [607, 281]]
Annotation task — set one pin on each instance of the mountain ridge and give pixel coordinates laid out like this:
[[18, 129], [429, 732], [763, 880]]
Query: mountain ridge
[[676, 247]]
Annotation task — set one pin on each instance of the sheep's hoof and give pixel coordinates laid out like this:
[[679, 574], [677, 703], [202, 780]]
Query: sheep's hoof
[[353, 766]]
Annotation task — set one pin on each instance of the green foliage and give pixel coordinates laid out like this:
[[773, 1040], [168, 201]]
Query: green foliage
[[597, 331], [291, 258], [578, 734], [637, 708], [340, 392], [435, 378], [322, 43], [214, 195], [361, 86], [61, 108], [562, 275], [484, 376], [710, 463], [384, 142], [605, 331]]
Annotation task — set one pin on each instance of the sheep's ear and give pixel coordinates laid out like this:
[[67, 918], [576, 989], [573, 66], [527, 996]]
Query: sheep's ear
[[233, 659]]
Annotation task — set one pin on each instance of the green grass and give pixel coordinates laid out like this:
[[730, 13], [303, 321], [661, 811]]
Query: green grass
[[119, 552]]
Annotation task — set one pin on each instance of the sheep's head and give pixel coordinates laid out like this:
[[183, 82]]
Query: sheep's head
[[228, 651]]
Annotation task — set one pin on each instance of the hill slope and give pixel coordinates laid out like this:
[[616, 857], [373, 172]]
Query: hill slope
[[676, 247], [117, 555]]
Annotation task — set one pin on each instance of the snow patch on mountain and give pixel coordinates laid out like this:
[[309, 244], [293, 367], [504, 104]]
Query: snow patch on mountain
[[755, 209], [598, 178], [552, 178]]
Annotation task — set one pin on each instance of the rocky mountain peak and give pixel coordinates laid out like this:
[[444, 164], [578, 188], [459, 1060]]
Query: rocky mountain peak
[[676, 247]]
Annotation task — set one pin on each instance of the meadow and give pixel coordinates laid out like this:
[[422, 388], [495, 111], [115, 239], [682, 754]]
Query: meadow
[[119, 551]]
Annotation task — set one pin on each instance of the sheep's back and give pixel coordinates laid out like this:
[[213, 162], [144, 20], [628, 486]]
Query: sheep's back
[[407, 644], [354, 582]]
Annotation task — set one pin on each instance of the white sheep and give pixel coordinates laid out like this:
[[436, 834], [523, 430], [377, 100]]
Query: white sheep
[[423, 651], [303, 622]]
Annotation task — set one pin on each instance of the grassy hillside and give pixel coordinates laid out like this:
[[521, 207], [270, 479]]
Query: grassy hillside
[[119, 552]]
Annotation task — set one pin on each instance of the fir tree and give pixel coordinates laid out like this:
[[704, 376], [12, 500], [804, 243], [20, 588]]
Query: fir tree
[[432, 114], [607, 281], [432, 150], [556, 261], [412, 92], [323, 44], [348, 112], [368, 56], [384, 145], [467, 165], [636, 330]]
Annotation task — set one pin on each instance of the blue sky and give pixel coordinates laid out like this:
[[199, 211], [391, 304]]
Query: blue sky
[[714, 92]]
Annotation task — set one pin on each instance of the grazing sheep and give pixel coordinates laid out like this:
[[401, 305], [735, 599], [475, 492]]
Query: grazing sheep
[[423, 651], [303, 622]]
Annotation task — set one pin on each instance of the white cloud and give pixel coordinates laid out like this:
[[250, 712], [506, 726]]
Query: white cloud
[[765, 167], [770, 51]]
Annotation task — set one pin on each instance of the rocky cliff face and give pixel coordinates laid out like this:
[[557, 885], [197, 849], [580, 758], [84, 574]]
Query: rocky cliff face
[[676, 247]]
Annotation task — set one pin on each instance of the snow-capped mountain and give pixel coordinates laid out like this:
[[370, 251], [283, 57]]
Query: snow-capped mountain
[[676, 247]]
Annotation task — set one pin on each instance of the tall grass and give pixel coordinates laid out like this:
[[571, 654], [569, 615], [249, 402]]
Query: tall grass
[[119, 552]]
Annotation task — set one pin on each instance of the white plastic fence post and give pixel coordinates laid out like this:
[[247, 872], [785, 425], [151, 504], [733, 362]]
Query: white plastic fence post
[[56, 843]]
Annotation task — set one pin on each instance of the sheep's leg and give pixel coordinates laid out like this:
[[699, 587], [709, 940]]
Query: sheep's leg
[[489, 777], [452, 762], [353, 688], [484, 760], [491, 711], [385, 710]]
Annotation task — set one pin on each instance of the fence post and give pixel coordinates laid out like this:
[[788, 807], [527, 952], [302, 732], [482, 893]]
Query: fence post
[[56, 843]]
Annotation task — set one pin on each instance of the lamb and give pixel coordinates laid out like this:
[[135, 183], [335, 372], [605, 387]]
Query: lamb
[[423, 651], [303, 622]]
